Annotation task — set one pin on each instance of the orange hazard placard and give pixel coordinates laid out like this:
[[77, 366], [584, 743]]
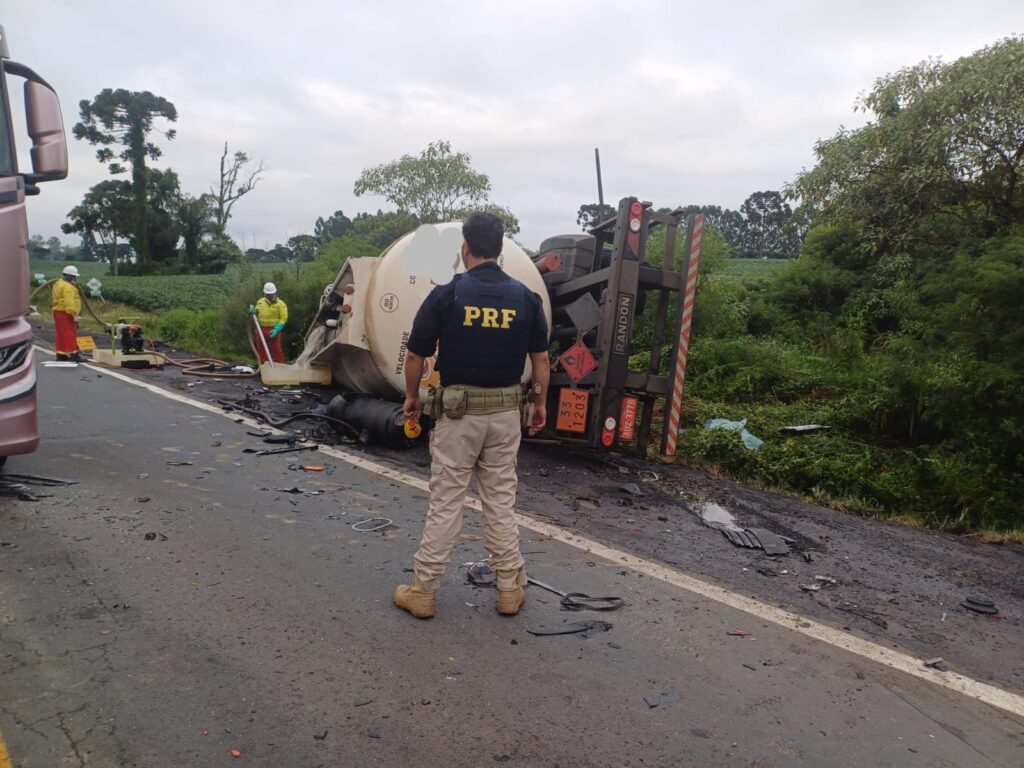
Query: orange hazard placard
[[572, 410], [577, 361]]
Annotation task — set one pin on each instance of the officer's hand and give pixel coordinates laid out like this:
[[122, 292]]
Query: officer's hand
[[274, 333], [413, 408], [251, 310], [540, 418]]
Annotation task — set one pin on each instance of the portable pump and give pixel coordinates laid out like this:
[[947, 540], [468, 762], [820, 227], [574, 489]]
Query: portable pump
[[130, 336]]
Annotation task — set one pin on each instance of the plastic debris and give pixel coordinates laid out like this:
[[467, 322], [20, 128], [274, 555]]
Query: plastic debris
[[648, 476], [481, 575], [371, 524], [663, 698], [235, 753], [801, 428], [633, 489], [751, 442], [934, 663], [737, 632], [242, 369]]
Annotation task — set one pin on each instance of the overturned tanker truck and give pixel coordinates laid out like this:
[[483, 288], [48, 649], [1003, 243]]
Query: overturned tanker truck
[[593, 286]]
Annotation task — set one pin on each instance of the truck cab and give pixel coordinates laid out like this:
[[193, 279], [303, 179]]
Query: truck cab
[[19, 431]]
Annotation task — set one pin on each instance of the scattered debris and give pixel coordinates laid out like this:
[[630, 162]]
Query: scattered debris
[[934, 663], [801, 428], [374, 733], [633, 489], [313, 468], [751, 667], [152, 536], [980, 605], [577, 601], [242, 369], [757, 538], [235, 753], [737, 632], [273, 451], [36, 480], [662, 698], [363, 702], [581, 628], [142, 499], [174, 463], [481, 575], [371, 524], [647, 475], [751, 442], [820, 582], [320, 736], [586, 502]]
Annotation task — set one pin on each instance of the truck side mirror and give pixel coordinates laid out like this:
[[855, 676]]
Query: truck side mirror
[[46, 127]]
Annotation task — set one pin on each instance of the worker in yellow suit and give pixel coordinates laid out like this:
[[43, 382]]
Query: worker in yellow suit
[[271, 313], [67, 307]]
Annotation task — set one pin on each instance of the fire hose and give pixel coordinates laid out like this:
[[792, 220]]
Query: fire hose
[[195, 367]]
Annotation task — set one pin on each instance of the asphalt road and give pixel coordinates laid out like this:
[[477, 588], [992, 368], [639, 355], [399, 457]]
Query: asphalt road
[[257, 620]]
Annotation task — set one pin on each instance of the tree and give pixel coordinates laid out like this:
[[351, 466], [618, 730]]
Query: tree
[[944, 138], [195, 221], [767, 231], [126, 118], [55, 247], [235, 182], [162, 228], [590, 215], [381, 229], [335, 226], [438, 185], [217, 252], [106, 211], [303, 247]]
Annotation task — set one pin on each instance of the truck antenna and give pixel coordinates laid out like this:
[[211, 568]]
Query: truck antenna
[[600, 187]]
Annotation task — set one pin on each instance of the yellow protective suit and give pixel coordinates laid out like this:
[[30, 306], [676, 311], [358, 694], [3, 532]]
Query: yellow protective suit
[[65, 298], [269, 314]]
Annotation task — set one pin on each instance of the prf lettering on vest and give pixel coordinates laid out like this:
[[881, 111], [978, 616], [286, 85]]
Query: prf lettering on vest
[[488, 317]]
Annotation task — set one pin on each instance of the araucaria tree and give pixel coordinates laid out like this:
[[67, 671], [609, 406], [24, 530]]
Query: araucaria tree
[[126, 118]]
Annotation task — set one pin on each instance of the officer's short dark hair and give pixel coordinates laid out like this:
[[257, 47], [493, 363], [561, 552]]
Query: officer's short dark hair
[[484, 233]]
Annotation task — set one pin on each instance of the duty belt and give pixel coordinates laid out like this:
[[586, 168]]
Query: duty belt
[[458, 399]]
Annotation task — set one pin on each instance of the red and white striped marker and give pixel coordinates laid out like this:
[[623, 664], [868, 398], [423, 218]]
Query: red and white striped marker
[[675, 403]]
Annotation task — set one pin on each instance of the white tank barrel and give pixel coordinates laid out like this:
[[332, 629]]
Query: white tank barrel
[[365, 317]]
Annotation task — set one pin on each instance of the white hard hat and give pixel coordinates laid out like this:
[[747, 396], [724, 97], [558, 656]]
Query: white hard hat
[[71, 269], [269, 288]]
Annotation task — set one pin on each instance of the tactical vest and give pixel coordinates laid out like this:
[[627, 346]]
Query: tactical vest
[[485, 341]]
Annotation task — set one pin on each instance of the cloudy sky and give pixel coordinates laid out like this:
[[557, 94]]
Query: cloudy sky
[[689, 102]]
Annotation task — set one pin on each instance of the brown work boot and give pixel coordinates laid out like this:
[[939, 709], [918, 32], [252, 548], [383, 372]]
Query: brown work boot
[[511, 594], [418, 602]]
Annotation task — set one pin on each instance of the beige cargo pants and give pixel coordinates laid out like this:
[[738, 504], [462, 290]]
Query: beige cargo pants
[[488, 444]]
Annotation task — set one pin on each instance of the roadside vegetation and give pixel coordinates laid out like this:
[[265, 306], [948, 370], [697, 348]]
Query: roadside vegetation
[[884, 306]]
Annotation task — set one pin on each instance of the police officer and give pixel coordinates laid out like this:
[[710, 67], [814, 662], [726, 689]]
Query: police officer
[[483, 324]]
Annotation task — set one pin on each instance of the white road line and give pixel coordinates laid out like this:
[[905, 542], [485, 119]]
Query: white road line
[[902, 662]]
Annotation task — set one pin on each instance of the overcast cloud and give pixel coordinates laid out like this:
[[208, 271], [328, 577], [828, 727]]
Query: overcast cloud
[[689, 102]]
